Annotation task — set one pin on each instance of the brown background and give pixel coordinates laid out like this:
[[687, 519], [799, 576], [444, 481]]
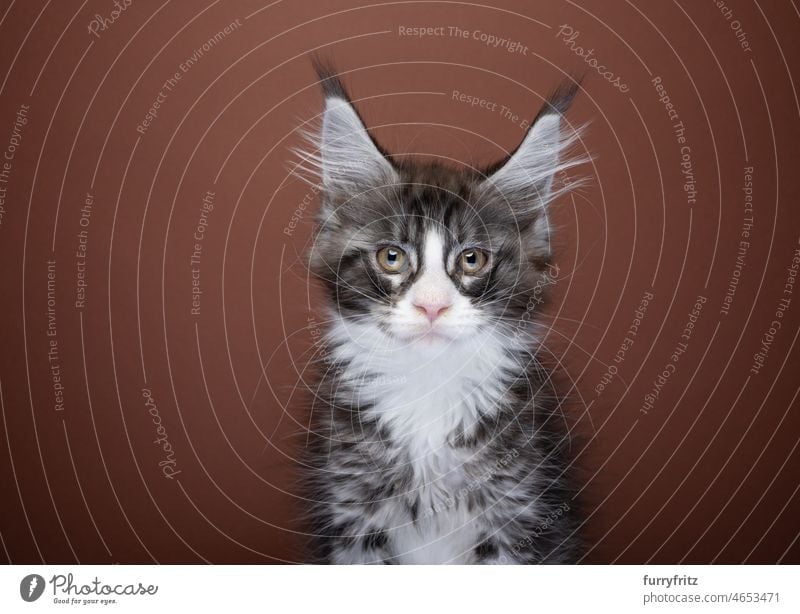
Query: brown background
[[711, 473]]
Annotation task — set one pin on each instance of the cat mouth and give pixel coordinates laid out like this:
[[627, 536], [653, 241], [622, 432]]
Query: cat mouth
[[432, 335], [435, 334], [425, 334]]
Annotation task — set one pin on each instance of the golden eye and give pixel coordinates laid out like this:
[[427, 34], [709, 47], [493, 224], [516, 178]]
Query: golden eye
[[392, 259], [472, 261]]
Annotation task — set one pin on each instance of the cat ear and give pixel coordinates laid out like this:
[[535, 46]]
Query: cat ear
[[349, 160], [523, 182], [525, 177]]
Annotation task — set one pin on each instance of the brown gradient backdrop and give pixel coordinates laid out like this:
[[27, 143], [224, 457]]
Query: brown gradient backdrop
[[710, 473]]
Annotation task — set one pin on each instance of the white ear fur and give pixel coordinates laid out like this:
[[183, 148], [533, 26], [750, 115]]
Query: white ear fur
[[348, 158], [526, 179]]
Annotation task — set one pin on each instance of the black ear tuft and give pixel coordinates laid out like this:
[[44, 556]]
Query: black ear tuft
[[559, 101], [332, 85]]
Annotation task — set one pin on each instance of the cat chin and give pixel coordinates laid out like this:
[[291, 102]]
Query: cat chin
[[415, 333], [432, 338]]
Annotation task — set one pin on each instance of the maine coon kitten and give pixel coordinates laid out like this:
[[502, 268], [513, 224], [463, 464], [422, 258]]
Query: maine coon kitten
[[435, 435]]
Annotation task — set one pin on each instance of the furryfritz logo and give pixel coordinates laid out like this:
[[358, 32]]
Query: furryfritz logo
[[31, 587]]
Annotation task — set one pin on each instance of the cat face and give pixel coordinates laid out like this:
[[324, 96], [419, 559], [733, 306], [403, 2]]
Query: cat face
[[421, 259], [423, 253]]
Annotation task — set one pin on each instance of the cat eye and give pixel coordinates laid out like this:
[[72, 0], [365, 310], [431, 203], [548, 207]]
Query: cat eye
[[472, 261], [392, 259]]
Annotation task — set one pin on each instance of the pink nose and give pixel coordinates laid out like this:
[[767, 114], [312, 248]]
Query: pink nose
[[432, 310]]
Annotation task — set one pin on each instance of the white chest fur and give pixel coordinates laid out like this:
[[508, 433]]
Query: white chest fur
[[423, 395]]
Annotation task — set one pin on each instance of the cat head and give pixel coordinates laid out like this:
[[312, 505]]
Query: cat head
[[423, 253]]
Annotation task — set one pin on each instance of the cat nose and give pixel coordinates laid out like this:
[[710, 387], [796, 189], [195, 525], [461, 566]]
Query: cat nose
[[432, 310]]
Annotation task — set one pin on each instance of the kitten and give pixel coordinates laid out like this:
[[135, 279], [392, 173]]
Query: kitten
[[435, 435]]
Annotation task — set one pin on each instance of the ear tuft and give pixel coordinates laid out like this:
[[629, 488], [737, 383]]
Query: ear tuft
[[559, 102], [332, 85], [347, 159], [523, 182], [525, 177]]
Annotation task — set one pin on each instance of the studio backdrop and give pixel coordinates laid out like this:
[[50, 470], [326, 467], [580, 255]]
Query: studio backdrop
[[159, 321]]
